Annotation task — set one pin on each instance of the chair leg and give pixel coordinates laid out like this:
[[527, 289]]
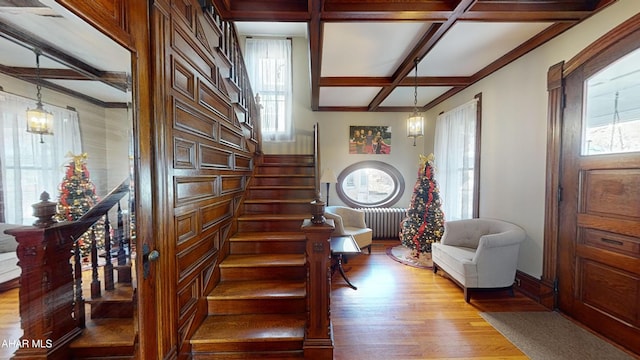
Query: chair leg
[[369, 249], [435, 268], [467, 295]]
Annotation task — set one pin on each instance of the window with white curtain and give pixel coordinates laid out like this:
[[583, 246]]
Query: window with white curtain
[[268, 63], [457, 160], [28, 167]]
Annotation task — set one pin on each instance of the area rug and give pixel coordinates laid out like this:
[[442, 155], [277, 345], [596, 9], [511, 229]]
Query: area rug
[[548, 335], [403, 255]]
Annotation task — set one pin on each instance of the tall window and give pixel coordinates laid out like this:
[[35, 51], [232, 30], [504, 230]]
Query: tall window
[[269, 68], [28, 167], [456, 160]]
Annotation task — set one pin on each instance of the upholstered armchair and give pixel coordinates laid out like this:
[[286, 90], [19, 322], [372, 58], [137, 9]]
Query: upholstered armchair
[[350, 221], [479, 253]]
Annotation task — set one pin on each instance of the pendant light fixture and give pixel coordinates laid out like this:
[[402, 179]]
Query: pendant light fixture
[[39, 121], [415, 121]]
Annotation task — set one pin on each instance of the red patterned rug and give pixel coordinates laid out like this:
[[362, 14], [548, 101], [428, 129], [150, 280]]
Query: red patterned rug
[[403, 255]]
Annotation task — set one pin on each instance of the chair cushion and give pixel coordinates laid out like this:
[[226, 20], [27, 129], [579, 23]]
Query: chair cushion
[[363, 237], [457, 262], [7, 242], [9, 268]]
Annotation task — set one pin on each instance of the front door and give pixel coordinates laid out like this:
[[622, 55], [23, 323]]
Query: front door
[[599, 233]]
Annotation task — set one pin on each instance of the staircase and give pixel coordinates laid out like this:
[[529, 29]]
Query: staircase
[[258, 310], [110, 331]]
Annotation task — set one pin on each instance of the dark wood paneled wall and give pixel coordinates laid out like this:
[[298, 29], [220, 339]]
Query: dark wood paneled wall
[[193, 157], [207, 161]]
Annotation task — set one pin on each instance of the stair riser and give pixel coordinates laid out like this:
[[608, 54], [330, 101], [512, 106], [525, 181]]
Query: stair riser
[[256, 306], [281, 208], [280, 355], [279, 170], [267, 247], [272, 345], [109, 352], [267, 225], [264, 273], [294, 181], [112, 309], [288, 159], [269, 194]]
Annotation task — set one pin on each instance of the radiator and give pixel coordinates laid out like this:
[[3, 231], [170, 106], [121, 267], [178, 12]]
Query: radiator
[[385, 222]]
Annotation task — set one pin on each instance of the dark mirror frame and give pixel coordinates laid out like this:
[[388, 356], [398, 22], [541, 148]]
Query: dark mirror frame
[[398, 181]]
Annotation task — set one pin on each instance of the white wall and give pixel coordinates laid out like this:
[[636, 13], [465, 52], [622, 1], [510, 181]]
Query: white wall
[[334, 132], [103, 133], [514, 130]]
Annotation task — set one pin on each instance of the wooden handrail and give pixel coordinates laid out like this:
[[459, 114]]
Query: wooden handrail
[[51, 303]]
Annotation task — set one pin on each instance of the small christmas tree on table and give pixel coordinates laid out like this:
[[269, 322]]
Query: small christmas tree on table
[[77, 196], [424, 224]]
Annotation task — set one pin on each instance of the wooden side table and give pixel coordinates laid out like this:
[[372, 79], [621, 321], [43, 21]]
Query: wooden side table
[[340, 246]]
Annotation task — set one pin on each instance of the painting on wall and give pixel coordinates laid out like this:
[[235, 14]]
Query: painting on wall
[[369, 139]]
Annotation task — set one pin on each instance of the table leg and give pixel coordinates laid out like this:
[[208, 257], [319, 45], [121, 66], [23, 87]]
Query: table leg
[[344, 276]]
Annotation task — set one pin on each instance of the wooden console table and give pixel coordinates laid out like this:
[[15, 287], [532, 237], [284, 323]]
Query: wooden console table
[[340, 246]]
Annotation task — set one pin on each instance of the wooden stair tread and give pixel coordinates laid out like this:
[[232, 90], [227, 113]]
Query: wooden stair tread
[[283, 176], [113, 332], [267, 236], [262, 260], [250, 328], [278, 201], [281, 187], [251, 289], [273, 217], [121, 293], [287, 164]]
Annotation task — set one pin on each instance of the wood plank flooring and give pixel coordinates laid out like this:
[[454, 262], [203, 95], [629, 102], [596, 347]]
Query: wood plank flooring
[[398, 312], [402, 312]]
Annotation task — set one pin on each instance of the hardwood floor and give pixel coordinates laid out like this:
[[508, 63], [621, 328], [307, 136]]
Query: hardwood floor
[[10, 331], [402, 312], [398, 312]]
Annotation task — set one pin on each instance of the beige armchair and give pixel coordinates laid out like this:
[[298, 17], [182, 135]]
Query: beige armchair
[[350, 221], [479, 253]]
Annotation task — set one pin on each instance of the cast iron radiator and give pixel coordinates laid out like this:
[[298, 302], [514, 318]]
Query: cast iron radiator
[[385, 222]]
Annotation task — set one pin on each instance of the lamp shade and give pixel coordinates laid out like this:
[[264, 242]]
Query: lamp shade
[[415, 126], [39, 121], [328, 176]]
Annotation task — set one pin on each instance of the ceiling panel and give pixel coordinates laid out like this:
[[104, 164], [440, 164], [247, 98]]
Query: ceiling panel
[[347, 96], [367, 48], [261, 28], [470, 46], [403, 95]]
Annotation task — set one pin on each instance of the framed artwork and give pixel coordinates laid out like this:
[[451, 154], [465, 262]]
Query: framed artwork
[[369, 140]]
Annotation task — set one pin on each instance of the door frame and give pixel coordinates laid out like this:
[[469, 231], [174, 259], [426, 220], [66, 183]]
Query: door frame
[[556, 76]]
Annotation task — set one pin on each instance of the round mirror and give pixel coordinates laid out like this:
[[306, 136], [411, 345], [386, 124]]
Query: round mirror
[[370, 184]]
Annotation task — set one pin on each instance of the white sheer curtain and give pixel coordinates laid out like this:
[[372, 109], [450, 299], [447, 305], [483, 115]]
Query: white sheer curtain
[[269, 69], [454, 150], [29, 167]]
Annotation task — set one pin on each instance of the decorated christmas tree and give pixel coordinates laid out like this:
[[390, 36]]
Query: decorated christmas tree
[[424, 224], [77, 196]]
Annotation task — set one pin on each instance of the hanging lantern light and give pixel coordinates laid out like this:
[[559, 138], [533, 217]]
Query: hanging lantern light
[[415, 121], [39, 121]]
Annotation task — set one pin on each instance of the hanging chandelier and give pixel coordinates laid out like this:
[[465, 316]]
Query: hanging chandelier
[[415, 121], [39, 121]]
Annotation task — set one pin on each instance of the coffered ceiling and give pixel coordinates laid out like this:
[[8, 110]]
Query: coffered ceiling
[[363, 52], [75, 59]]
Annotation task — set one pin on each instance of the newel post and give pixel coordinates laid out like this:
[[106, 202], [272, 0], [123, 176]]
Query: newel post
[[318, 341], [46, 286]]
